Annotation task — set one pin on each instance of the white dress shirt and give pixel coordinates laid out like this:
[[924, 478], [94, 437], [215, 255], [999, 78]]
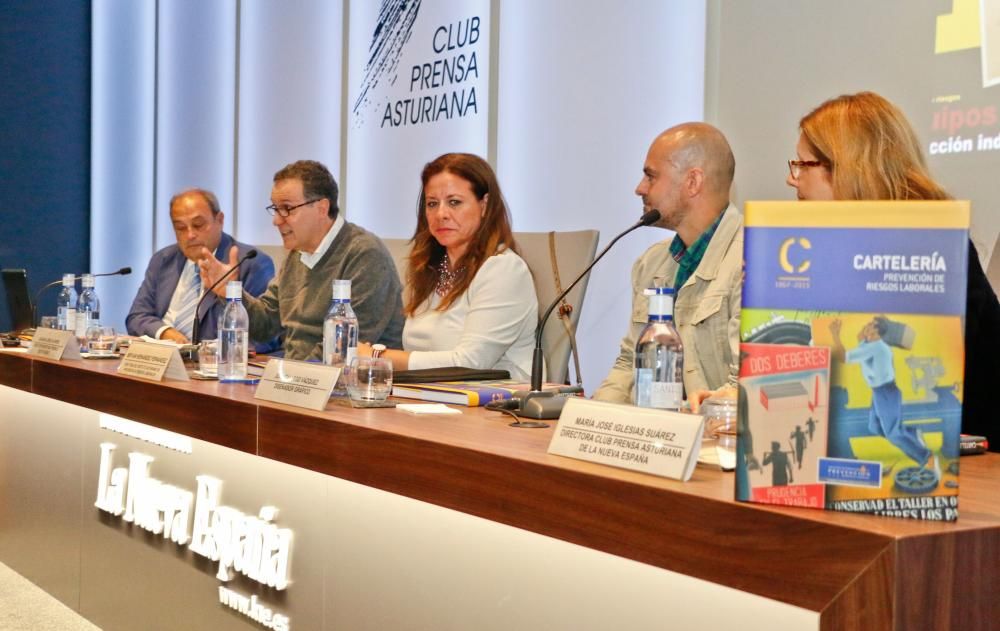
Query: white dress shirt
[[310, 259], [177, 299]]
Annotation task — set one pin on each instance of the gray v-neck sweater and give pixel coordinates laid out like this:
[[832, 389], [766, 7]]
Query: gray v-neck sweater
[[297, 300]]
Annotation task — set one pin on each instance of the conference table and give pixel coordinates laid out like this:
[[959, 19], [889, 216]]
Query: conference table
[[397, 521]]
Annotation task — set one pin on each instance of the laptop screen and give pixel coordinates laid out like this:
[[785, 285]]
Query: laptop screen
[[15, 282]]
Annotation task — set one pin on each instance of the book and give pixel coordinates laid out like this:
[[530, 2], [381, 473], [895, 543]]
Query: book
[[449, 374], [785, 390], [971, 445], [851, 362], [470, 393]]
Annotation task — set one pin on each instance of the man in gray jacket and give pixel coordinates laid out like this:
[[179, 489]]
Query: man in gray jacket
[[322, 247], [687, 176]]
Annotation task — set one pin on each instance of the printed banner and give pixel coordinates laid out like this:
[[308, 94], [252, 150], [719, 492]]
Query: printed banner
[[419, 81]]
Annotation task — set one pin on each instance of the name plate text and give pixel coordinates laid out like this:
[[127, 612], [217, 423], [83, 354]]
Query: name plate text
[[54, 344], [147, 360], [657, 442], [302, 384]]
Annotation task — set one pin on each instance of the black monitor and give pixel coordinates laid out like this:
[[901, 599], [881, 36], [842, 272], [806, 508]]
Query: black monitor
[[15, 282]]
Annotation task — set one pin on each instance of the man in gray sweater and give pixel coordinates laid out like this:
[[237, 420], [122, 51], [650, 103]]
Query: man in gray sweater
[[322, 247]]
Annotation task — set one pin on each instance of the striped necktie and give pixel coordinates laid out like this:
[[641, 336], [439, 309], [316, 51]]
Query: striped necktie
[[192, 293]]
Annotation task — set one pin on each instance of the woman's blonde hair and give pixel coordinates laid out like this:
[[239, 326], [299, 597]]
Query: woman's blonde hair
[[870, 149]]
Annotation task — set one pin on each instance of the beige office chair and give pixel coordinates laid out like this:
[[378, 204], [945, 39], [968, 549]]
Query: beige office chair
[[278, 254], [399, 249], [574, 252]]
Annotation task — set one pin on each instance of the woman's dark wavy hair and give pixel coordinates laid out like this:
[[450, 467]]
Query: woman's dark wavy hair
[[494, 235]]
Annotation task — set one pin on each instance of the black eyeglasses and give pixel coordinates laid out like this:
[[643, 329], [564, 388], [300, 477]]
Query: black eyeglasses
[[284, 212], [795, 166]]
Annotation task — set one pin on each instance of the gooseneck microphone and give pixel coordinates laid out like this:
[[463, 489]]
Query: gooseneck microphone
[[194, 326], [539, 404], [125, 271]]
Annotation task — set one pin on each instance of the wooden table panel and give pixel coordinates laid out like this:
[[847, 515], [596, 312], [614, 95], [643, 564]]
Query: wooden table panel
[[949, 582], [15, 371], [859, 571], [174, 406], [764, 552], [864, 604]]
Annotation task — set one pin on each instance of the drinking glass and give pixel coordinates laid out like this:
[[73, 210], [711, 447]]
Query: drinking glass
[[102, 341], [720, 422], [208, 358], [369, 379]]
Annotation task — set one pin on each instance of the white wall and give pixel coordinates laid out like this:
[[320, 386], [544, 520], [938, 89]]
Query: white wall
[[582, 93], [122, 146], [217, 94], [195, 104], [290, 89]]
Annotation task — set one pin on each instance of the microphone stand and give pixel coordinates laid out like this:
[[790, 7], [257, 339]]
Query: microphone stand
[[544, 404], [38, 294], [194, 325]]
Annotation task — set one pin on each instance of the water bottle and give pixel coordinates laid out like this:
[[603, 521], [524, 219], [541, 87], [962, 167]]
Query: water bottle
[[340, 333], [88, 310], [234, 324], [659, 356], [66, 302]]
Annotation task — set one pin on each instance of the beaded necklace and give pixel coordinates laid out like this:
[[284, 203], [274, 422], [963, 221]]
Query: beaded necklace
[[447, 276]]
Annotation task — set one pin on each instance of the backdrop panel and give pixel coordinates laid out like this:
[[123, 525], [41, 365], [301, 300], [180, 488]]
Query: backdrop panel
[[195, 101], [122, 145], [289, 100], [581, 95], [418, 87]]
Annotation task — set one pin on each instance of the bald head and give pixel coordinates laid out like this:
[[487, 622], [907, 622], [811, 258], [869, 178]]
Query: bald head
[[197, 222], [702, 146], [687, 176]]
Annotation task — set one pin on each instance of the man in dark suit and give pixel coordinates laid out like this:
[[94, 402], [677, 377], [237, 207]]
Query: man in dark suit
[[164, 306]]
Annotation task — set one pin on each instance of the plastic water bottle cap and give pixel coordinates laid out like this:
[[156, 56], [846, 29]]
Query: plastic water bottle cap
[[655, 291], [342, 289], [234, 289], [88, 280], [661, 304], [69, 280]]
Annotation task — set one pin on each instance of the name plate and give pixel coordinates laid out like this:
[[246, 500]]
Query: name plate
[[54, 344], [658, 442], [302, 384], [147, 360]]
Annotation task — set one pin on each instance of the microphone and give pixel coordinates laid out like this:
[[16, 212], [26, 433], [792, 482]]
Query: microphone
[[194, 326], [539, 404], [34, 306], [125, 271]]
